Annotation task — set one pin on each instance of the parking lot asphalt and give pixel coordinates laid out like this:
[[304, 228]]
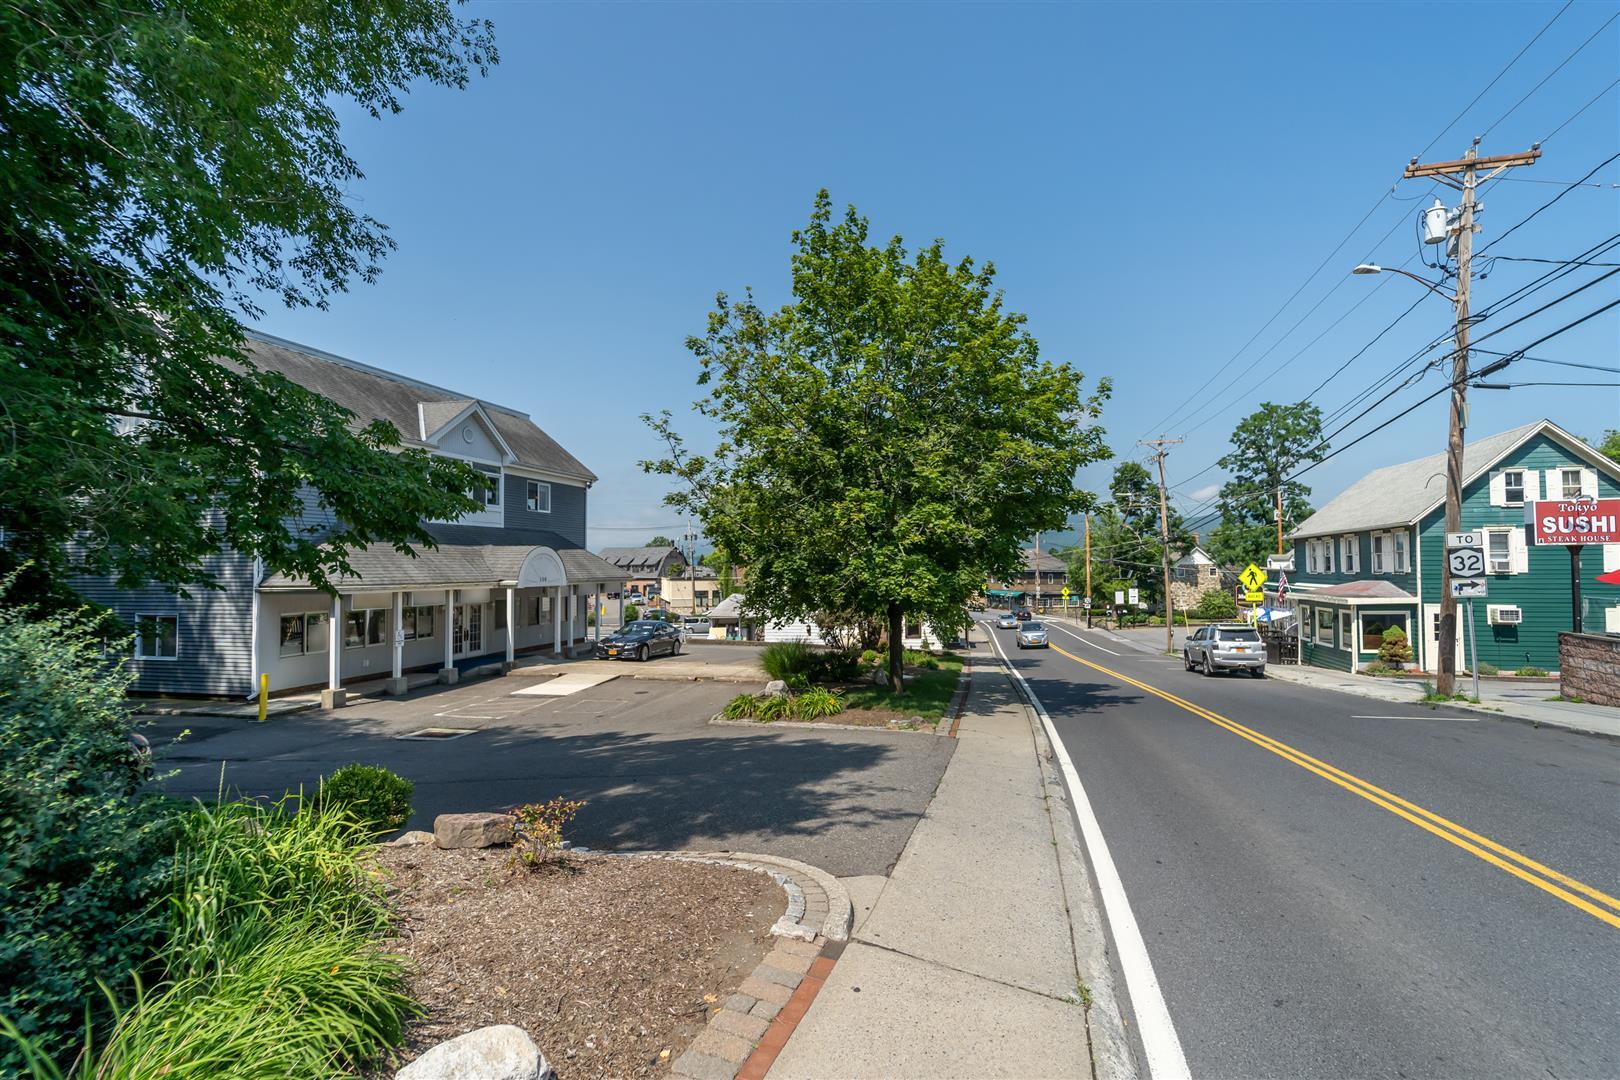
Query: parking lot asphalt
[[654, 772]]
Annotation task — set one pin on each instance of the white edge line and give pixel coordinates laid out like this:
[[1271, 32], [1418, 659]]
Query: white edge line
[[1453, 719], [1083, 641], [1165, 1059]]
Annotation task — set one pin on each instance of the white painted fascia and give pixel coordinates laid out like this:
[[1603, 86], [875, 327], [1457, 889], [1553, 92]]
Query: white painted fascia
[[474, 408]]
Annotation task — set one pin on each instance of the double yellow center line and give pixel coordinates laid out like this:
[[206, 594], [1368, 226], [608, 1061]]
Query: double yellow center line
[[1594, 902]]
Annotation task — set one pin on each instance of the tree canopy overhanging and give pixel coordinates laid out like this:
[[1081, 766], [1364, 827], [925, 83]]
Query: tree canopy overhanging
[[165, 165], [887, 439]]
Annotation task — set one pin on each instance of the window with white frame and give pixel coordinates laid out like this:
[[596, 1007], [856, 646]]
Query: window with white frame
[[1513, 487], [424, 621], [539, 497], [489, 492], [1313, 559], [1499, 551], [1349, 554], [365, 628], [1327, 556], [1403, 562], [1380, 556], [1570, 481], [305, 632], [1346, 621], [157, 637], [1324, 625]]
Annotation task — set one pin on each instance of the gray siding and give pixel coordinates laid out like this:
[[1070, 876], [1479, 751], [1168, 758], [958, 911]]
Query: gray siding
[[567, 517], [214, 626]]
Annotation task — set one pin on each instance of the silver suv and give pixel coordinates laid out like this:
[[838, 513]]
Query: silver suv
[[1225, 648]]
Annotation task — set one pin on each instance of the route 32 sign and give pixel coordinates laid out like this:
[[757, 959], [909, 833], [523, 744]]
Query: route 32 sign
[[1465, 558]]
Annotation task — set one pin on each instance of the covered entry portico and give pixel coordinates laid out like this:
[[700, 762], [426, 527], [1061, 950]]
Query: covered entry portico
[[426, 612]]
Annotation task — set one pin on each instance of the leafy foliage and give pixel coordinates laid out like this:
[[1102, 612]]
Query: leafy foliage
[[816, 704], [377, 798], [740, 707], [164, 163], [1610, 446], [1531, 672], [631, 613], [1268, 446], [887, 439], [86, 855], [769, 707], [540, 828], [1216, 604], [1394, 649], [786, 659]]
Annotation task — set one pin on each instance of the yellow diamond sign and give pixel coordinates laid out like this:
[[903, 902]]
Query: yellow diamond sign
[[1252, 577]]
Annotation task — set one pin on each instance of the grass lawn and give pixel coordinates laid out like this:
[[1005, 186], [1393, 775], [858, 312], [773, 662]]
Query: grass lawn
[[927, 694]]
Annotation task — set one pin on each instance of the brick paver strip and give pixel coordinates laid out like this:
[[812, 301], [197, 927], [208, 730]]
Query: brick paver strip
[[739, 1024], [740, 1002], [719, 1044], [764, 1056], [769, 974], [765, 1010], [774, 993], [696, 1066], [797, 948], [788, 962]]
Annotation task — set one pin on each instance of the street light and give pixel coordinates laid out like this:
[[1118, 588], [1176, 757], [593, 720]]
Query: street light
[[1374, 268]]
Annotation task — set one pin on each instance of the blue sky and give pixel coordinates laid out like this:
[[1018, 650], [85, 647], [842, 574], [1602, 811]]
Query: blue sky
[[1152, 181]]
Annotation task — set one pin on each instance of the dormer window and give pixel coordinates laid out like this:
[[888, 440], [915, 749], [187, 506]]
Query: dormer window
[[490, 494], [539, 497]]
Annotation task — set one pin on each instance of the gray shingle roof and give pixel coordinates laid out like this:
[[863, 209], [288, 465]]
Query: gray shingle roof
[[465, 556], [372, 394], [1400, 494], [1049, 564], [638, 558]]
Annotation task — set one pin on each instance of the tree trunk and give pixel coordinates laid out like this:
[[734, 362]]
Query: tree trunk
[[897, 648]]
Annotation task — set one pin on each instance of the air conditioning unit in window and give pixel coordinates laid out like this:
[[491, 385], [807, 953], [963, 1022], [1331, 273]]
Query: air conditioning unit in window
[[1504, 614]]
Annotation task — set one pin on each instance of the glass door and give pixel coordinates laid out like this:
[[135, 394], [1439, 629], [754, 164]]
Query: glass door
[[468, 635]]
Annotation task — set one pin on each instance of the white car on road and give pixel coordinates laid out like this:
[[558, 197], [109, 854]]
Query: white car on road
[[1225, 648]]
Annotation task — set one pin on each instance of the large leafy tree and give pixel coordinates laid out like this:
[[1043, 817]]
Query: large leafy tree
[[1268, 446], [887, 439], [163, 164]]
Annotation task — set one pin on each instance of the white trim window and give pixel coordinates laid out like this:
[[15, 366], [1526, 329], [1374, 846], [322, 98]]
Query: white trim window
[[1324, 626], [539, 500], [490, 496], [1570, 483], [365, 628], [1349, 554], [1403, 556], [1380, 560], [1513, 487], [157, 637], [1347, 621], [304, 632], [1327, 556], [1499, 551], [1313, 558]]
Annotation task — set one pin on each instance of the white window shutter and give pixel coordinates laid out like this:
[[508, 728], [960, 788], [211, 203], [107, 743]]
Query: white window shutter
[[1553, 486], [1611, 620], [1518, 554], [1589, 484], [1499, 488], [1532, 486]]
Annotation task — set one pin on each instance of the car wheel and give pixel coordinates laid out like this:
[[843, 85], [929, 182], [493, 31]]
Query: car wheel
[[1208, 666], [1258, 673], [676, 650], [1186, 659], [643, 653]]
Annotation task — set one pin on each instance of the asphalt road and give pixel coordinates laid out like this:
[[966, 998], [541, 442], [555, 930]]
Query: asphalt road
[[653, 771], [1299, 929]]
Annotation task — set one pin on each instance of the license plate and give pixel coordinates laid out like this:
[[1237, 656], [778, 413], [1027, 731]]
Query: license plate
[[1240, 648]]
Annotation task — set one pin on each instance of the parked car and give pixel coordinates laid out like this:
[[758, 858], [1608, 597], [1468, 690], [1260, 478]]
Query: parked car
[[695, 626], [641, 640], [1032, 635], [1007, 621], [1225, 648]]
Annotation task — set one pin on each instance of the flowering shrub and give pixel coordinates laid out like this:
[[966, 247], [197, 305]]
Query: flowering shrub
[[540, 828]]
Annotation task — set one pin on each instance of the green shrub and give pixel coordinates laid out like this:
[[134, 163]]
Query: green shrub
[[86, 856], [814, 704], [925, 660], [1215, 605], [787, 658], [797, 681], [1531, 672], [631, 613], [1377, 667], [740, 707], [540, 828], [770, 707], [377, 798], [1395, 649], [1487, 669], [869, 656], [837, 665]]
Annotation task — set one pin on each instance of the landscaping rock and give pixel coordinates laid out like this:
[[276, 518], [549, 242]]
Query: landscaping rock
[[501, 1052], [415, 836], [776, 687], [472, 830]]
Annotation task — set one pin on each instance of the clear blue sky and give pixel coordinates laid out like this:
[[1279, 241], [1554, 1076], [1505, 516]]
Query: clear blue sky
[[1153, 182]]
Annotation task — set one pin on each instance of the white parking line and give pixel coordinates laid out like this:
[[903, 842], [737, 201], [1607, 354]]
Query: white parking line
[[1160, 1043]]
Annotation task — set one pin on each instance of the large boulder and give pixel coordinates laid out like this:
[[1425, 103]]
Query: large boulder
[[501, 1052], [472, 830], [776, 687]]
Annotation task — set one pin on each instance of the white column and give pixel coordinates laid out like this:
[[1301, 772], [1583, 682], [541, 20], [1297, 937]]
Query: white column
[[449, 628], [597, 598], [399, 634], [573, 617], [334, 647], [556, 620], [622, 588], [511, 625]]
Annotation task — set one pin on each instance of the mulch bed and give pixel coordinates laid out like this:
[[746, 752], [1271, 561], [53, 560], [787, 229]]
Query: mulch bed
[[606, 962]]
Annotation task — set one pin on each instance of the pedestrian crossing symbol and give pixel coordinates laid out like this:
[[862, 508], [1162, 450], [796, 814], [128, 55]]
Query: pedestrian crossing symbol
[[1252, 577]]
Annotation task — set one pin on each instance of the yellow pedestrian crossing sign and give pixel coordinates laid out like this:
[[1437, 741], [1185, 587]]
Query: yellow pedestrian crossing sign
[[1065, 594], [1252, 577]]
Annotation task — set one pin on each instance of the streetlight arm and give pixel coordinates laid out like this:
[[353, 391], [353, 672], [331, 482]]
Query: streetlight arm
[[1373, 268]]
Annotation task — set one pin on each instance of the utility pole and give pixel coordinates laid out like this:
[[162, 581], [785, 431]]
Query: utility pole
[[1463, 175], [1159, 452], [1037, 564], [1279, 519], [1088, 571]]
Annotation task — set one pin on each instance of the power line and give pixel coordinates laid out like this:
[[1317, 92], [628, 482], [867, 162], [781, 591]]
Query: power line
[[1579, 111], [1578, 50], [1531, 216]]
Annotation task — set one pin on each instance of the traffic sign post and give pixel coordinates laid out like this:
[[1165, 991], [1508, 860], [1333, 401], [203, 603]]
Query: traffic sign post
[[1465, 558]]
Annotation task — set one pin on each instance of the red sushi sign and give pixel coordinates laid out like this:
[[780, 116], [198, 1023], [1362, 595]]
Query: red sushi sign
[[1573, 521]]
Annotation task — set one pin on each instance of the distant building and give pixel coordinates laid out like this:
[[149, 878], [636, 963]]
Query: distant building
[[644, 567], [1193, 576], [1371, 558], [1040, 572], [690, 590]]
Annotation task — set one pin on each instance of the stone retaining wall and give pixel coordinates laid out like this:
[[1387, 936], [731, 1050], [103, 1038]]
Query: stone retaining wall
[[1589, 667]]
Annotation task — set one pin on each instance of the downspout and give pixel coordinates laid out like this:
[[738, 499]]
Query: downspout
[[253, 635]]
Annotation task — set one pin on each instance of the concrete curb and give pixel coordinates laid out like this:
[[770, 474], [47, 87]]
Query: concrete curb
[[1112, 1055]]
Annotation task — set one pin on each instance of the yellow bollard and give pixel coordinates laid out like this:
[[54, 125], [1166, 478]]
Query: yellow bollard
[[264, 694]]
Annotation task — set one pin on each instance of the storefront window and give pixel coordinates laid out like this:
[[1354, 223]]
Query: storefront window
[[1373, 626]]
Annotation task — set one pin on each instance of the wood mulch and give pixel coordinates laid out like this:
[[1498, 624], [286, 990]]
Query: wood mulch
[[612, 965]]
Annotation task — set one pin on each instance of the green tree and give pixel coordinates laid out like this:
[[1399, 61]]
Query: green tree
[[661, 541], [1268, 446], [165, 163], [1610, 446], [887, 440]]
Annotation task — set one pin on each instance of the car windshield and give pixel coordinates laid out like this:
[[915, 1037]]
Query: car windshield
[[1239, 635], [1033, 626]]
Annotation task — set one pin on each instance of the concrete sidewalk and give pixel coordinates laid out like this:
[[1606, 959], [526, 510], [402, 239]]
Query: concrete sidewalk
[[967, 963]]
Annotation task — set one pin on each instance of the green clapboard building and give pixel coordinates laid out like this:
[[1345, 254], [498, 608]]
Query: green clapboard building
[[1372, 557]]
